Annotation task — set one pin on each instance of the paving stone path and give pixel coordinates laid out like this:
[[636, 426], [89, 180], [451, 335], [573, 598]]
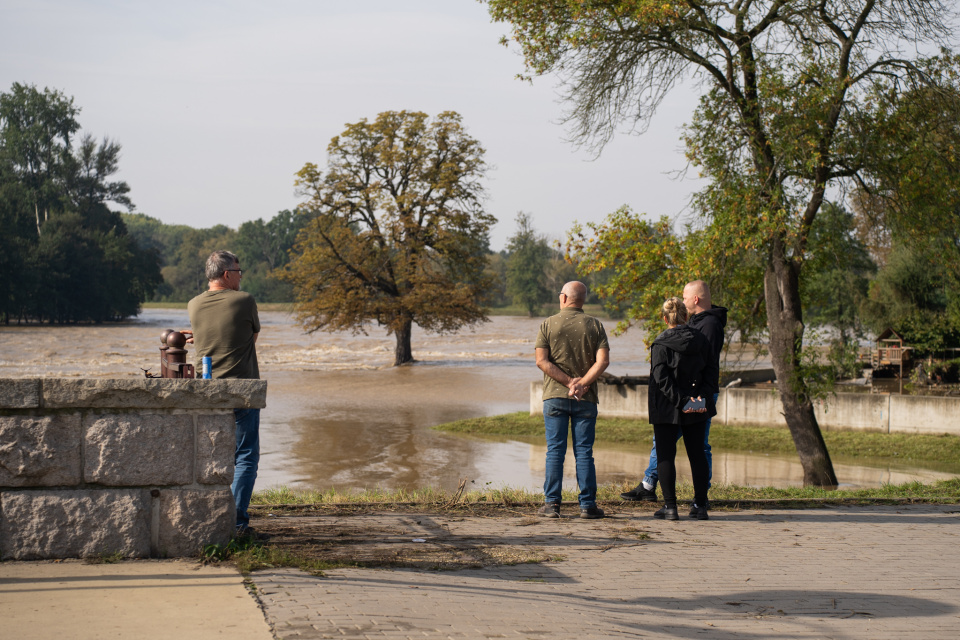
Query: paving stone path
[[838, 572]]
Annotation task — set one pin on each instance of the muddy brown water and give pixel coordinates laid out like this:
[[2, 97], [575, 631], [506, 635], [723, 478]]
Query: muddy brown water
[[338, 415]]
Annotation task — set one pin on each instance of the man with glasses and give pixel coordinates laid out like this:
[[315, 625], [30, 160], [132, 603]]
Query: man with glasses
[[572, 352], [225, 326]]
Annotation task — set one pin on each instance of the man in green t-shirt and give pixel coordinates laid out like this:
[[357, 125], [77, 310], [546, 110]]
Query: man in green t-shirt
[[572, 352], [224, 325]]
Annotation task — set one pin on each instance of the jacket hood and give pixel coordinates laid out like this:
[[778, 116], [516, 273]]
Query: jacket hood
[[681, 339], [718, 313]]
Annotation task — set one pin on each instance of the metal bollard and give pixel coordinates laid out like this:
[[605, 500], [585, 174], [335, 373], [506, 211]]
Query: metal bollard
[[173, 356]]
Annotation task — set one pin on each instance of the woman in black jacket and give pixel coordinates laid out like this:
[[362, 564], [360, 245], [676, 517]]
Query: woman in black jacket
[[677, 359]]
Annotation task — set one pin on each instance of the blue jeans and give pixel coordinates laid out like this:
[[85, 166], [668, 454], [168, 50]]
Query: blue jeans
[[246, 460], [581, 416], [651, 475]]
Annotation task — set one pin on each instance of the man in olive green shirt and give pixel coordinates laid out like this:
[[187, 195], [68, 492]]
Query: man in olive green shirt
[[572, 351], [224, 325]]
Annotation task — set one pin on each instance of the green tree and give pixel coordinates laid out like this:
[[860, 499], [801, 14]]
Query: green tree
[[911, 205], [36, 141], [529, 256], [793, 95], [265, 248], [396, 233], [68, 255], [836, 280], [496, 273], [913, 294]]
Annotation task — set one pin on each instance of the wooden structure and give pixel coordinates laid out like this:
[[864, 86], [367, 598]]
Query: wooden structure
[[890, 352]]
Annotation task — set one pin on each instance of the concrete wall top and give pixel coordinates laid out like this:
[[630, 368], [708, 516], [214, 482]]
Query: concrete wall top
[[17, 393], [143, 393]]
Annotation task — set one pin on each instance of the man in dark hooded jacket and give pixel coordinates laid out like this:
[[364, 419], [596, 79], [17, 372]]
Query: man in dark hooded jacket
[[710, 321]]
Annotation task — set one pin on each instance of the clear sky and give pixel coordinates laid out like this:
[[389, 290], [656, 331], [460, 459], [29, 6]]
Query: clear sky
[[217, 104]]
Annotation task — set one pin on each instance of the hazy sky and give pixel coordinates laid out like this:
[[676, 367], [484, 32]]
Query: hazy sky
[[218, 104]]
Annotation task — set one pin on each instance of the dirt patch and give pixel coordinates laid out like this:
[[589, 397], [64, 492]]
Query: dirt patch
[[453, 538]]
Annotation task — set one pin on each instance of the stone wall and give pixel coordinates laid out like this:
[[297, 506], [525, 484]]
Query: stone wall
[[853, 411], [140, 468]]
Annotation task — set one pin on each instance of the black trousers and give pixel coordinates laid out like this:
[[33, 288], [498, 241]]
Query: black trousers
[[693, 435]]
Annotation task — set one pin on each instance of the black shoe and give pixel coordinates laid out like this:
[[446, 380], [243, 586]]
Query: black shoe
[[591, 513], [667, 513], [701, 513], [549, 510], [246, 532], [694, 509], [640, 493]]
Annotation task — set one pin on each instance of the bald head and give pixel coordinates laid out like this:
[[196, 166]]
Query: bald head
[[696, 297], [576, 293]]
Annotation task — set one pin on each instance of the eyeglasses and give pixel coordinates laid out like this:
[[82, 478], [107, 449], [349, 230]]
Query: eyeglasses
[[240, 271], [563, 294]]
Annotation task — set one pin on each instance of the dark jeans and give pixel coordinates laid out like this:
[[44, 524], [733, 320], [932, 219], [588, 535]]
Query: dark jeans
[[667, 435]]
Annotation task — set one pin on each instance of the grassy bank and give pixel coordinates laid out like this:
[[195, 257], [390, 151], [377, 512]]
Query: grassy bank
[[854, 444], [850, 444], [724, 496]]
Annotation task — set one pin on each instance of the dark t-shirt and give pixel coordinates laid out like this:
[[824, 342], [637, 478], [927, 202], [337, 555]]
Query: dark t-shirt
[[224, 323], [573, 339]]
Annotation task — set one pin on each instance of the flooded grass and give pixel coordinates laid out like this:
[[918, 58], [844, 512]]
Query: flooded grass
[[853, 444]]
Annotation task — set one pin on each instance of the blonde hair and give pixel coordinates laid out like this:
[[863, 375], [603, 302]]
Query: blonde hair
[[674, 311]]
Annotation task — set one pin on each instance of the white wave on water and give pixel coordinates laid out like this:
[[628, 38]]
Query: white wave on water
[[467, 355]]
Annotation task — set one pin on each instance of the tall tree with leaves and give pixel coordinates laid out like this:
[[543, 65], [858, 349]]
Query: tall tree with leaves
[[36, 140], [911, 210], [527, 265], [397, 231], [70, 258], [792, 93]]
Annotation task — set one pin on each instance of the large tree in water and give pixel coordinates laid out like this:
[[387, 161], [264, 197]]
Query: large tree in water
[[794, 96], [397, 232]]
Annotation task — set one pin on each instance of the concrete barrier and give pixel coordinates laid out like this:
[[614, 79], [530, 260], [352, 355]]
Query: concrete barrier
[[132, 467], [854, 411]]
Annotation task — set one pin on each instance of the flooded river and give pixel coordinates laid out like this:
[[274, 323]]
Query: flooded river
[[338, 415]]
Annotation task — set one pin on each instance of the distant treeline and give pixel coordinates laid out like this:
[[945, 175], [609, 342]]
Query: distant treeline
[[527, 273], [182, 251]]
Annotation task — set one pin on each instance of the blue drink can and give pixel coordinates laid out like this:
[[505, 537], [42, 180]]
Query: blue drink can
[[207, 365]]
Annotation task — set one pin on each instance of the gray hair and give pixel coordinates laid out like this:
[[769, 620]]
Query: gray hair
[[219, 262]]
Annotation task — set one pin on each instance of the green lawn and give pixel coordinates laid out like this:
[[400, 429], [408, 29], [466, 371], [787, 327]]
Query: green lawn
[[853, 444]]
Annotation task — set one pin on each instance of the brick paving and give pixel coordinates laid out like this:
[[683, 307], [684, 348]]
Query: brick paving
[[838, 572]]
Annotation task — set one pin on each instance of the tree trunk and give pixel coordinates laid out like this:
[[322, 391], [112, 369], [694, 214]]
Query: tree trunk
[[403, 353], [785, 321]]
